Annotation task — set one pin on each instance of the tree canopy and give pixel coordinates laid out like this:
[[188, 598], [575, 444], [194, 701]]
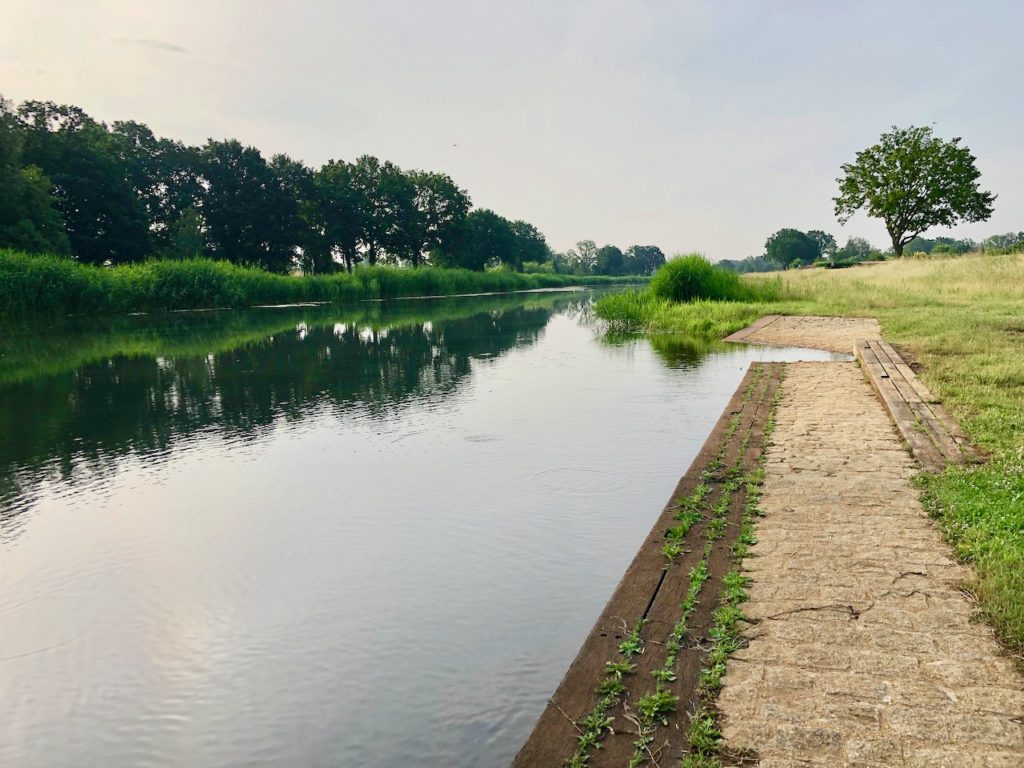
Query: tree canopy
[[791, 247], [913, 180]]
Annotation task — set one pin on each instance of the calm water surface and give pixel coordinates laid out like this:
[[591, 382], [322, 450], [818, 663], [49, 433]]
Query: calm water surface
[[324, 537]]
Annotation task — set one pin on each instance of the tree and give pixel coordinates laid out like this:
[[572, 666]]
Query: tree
[[826, 243], [856, 249], [435, 213], [789, 246], [610, 261], [185, 236], [913, 181], [29, 219], [251, 216], [163, 173], [583, 257], [488, 240], [388, 198], [339, 211], [1011, 241], [104, 216], [643, 259], [292, 225], [529, 245]]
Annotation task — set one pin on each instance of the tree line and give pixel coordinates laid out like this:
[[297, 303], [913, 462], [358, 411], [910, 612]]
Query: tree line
[[117, 194], [791, 248]]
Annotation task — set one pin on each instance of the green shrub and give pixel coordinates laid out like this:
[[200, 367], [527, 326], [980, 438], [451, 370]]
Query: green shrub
[[690, 277]]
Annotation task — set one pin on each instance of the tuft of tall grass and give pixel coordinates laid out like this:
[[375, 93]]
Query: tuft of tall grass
[[51, 285], [692, 277]]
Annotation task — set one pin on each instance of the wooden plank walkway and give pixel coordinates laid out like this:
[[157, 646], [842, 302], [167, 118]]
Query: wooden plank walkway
[[650, 595], [933, 435]]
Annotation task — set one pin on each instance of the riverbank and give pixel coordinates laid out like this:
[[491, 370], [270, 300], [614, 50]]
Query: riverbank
[[959, 323], [48, 285], [846, 638]]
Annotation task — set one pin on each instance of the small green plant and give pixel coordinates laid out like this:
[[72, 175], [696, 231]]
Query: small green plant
[[657, 706], [702, 734]]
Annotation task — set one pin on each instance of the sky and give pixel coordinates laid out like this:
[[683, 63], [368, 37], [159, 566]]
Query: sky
[[695, 126]]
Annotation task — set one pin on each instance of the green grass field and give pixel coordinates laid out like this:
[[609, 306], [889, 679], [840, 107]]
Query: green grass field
[[50, 285], [962, 319]]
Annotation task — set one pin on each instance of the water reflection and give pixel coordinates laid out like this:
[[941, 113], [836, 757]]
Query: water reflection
[[72, 404]]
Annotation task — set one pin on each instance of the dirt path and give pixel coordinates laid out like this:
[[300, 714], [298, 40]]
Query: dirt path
[[864, 653]]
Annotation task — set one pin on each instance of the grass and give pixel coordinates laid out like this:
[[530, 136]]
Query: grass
[[962, 319], [50, 285]]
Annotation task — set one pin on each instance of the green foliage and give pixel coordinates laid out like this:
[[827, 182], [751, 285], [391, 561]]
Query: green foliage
[[610, 261], [825, 242], [793, 248], [633, 311], [1011, 242], [856, 249], [657, 706], [104, 217], [749, 264], [693, 277], [702, 734], [690, 277], [913, 181], [51, 285], [643, 259]]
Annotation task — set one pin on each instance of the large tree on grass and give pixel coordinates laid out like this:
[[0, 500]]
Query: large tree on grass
[[913, 181]]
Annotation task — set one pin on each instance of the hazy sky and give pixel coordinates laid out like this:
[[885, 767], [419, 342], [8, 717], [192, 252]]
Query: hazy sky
[[691, 125]]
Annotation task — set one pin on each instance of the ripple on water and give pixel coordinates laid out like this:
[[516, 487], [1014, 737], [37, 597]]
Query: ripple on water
[[581, 481]]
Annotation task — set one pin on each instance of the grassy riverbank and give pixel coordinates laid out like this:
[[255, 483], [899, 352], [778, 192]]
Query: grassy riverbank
[[50, 285], [963, 321]]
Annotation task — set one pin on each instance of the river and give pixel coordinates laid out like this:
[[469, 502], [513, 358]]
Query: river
[[321, 537]]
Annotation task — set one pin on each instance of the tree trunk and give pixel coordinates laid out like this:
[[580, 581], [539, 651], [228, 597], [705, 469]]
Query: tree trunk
[[897, 244]]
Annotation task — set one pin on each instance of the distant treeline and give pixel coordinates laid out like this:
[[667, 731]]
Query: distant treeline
[[790, 248], [107, 195]]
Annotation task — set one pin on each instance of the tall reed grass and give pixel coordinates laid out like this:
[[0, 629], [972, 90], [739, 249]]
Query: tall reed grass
[[51, 285]]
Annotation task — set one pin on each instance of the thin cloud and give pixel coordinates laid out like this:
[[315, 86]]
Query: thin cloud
[[148, 42]]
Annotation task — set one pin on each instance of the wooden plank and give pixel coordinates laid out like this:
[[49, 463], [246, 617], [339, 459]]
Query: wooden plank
[[949, 448], [944, 428], [742, 334], [906, 389], [906, 421], [908, 373]]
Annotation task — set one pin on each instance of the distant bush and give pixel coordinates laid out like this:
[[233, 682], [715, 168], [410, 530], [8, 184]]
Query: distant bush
[[749, 264]]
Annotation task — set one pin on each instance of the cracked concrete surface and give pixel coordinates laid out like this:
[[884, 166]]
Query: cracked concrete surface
[[863, 652]]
